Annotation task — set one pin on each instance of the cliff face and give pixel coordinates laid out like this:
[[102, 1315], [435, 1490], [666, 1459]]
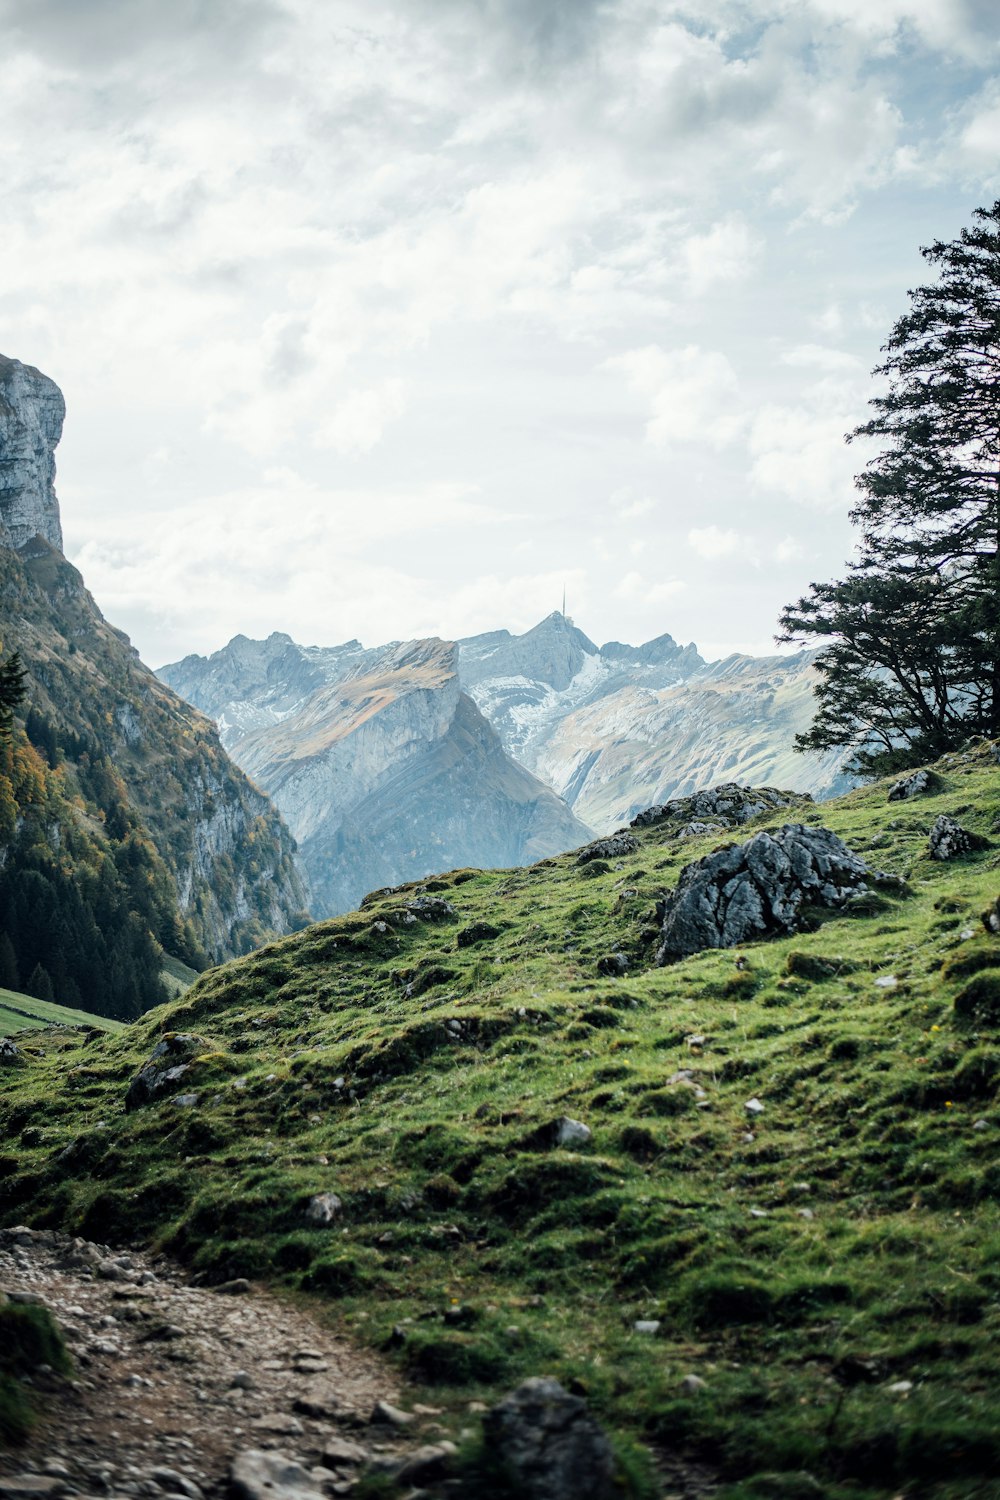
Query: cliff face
[[31, 421], [383, 767], [136, 761], [615, 728]]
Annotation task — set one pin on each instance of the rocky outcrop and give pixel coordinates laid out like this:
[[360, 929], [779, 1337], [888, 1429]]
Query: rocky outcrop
[[32, 411], [137, 765], [758, 889], [918, 784], [725, 806], [949, 840], [384, 769], [550, 1445]]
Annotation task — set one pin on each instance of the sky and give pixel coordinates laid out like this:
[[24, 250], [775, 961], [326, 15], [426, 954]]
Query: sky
[[392, 318]]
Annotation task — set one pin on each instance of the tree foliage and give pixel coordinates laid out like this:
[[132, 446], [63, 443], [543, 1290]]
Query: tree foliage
[[910, 660], [12, 675]]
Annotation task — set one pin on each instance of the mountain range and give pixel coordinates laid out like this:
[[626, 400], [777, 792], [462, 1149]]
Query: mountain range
[[394, 762]]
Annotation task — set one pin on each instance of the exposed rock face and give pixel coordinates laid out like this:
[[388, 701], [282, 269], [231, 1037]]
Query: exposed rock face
[[918, 784], [617, 728], [97, 706], [385, 770], [757, 889], [615, 847], [725, 806], [949, 840], [168, 1063], [31, 421], [550, 1444]]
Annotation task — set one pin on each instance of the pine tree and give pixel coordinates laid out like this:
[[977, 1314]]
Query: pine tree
[[10, 978], [39, 984], [911, 664], [12, 676]]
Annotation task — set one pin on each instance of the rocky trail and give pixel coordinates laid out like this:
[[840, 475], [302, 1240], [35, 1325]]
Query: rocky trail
[[185, 1391]]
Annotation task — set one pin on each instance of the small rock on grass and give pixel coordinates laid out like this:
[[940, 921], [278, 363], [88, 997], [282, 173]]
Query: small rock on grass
[[692, 1384], [323, 1208], [270, 1476], [383, 1413]]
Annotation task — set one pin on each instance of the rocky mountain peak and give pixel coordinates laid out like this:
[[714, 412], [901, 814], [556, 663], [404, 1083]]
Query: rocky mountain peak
[[32, 411]]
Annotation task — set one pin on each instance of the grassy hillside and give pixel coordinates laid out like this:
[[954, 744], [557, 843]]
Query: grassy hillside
[[828, 1267], [20, 1012]]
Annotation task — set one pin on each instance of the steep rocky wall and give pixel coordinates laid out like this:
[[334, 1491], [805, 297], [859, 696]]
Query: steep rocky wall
[[31, 421]]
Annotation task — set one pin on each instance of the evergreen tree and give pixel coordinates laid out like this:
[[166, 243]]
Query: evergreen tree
[[911, 661], [40, 985], [10, 978], [12, 676]]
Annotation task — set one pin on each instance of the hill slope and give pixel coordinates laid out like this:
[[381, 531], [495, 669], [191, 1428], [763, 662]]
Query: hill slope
[[24, 1013], [790, 1180]]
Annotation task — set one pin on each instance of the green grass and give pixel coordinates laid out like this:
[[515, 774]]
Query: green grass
[[851, 1244], [29, 1337], [21, 1012], [177, 976]]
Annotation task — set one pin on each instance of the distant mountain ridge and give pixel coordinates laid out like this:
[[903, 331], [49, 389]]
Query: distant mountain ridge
[[383, 767], [616, 728], [398, 761]]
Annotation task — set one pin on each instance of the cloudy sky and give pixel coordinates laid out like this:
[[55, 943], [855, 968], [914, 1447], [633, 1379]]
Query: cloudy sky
[[385, 318]]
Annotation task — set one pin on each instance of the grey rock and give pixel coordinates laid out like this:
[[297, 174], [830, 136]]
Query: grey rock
[[757, 889], [278, 1422], [648, 1326], [550, 1444], [917, 784], [255, 1475], [949, 840], [477, 932], [9, 1053], [175, 1484], [725, 806], [692, 1384], [613, 965], [615, 847], [168, 1063], [30, 1486], [564, 1132], [386, 1415], [427, 1463], [32, 412], [340, 1452], [323, 1208]]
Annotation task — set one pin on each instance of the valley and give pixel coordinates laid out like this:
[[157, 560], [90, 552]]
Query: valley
[[744, 1203]]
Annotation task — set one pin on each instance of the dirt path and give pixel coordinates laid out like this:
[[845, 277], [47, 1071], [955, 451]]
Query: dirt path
[[175, 1382]]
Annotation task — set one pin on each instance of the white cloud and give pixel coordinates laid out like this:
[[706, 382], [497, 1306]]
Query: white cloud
[[712, 542], [692, 393], [789, 550], [629, 506], [636, 589], [359, 421]]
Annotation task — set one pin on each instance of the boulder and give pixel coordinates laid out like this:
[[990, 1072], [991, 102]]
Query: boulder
[[270, 1476], [614, 847], [757, 889], [10, 1055], [323, 1208], [949, 840], [613, 965], [168, 1063], [477, 932], [550, 1445], [917, 784], [728, 805]]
